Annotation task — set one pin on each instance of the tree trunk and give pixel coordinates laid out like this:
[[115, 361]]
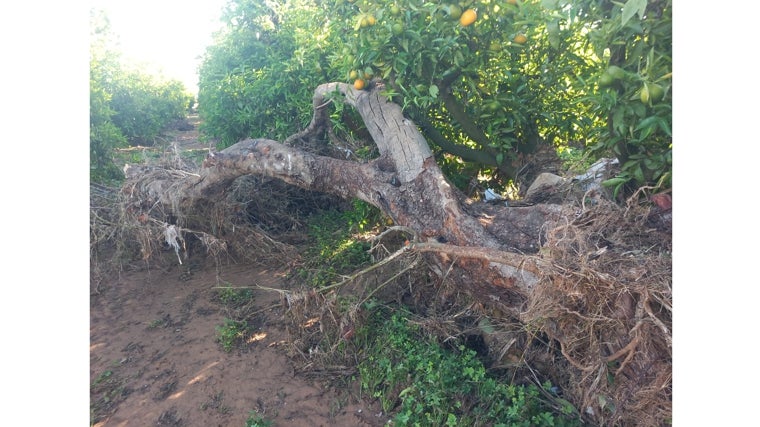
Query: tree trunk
[[480, 249]]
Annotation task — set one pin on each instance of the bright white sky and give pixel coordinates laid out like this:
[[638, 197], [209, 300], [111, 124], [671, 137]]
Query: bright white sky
[[168, 34]]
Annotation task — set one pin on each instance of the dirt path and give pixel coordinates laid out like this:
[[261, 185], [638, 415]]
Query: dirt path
[[154, 358]]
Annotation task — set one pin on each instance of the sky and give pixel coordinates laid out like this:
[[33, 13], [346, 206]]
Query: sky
[[169, 35]]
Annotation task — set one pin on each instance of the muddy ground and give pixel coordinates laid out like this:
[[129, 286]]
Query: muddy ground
[[155, 359]]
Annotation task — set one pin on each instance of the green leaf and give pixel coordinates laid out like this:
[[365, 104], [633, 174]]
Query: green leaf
[[614, 181], [638, 173], [451, 420], [664, 126], [433, 90], [552, 27], [633, 7]]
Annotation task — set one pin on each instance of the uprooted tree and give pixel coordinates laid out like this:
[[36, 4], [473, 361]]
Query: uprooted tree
[[589, 276]]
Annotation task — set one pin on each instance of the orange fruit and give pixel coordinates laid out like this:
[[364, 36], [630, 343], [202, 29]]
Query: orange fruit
[[371, 20], [359, 84], [353, 75], [511, 1], [520, 39], [468, 17]]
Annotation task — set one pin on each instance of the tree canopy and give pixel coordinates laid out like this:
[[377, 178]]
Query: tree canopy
[[490, 83]]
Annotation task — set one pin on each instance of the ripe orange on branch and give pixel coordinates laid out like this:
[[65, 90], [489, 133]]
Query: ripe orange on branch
[[359, 84], [468, 17]]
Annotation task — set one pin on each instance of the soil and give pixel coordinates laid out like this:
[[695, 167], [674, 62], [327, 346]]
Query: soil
[[155, 358]]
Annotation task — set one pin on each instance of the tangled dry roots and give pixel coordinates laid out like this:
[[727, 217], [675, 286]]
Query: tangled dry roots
[[251, 222], [606, 300]]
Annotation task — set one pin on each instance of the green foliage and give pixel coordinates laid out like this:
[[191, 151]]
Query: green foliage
[[256, 420], [104, 135], [485, 95], [478, 87], [362, 216], [234, 297], [126, 106], [427, 385], [231, 333], [337, 247], [574, 160], [634, 89], [144, 105], [259, 76]]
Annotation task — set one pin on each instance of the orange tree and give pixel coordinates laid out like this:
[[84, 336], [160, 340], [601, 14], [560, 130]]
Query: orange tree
[[258, 77], [634, 88], [488, 81]]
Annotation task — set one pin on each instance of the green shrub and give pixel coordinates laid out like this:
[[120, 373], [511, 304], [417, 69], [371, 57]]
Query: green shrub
[[144, 105], [104, 135], [427, 385], [258, 79]]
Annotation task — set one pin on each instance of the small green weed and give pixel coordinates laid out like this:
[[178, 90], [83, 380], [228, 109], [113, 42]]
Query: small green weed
[[216, 402], [426, 384], [105, 375], [106, 391], [256, 420], [163, 322], [234, 297], [231, 333]]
